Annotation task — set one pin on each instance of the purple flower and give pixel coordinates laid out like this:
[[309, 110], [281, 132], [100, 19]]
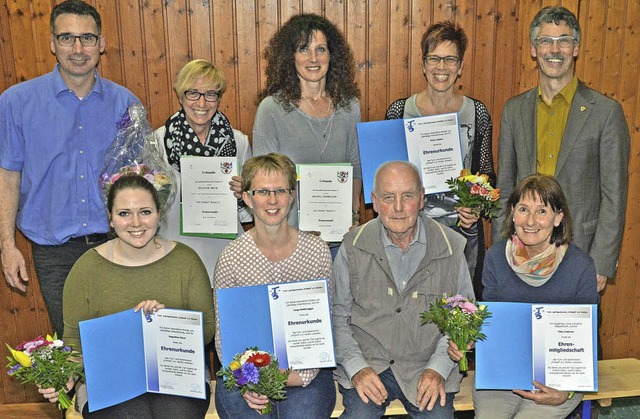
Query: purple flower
[[248, 373], [14, 369]]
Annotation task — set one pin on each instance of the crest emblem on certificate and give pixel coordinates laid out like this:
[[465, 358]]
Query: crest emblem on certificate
[[226, 167], [343, 176]]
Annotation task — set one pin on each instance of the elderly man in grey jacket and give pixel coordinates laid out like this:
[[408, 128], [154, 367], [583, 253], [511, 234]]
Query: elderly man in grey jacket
[[386, 273]]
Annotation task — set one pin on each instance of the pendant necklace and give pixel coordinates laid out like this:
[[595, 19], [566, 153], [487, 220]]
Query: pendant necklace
[[326, 132]]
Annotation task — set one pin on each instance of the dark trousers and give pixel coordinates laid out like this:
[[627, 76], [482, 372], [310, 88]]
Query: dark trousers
[[154, 406], [53, 264]]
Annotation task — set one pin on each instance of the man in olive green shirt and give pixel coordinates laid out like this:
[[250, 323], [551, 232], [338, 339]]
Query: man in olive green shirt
[[565, 129]]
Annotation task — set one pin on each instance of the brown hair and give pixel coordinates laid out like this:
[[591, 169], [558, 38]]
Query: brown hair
[[550, 193], [440, 32]]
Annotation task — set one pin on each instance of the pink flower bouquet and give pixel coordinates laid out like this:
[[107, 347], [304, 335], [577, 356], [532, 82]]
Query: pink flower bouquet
[[460, 319], [474, 191]]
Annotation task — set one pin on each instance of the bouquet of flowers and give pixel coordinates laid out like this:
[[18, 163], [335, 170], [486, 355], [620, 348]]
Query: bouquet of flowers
[[158, 179], [255, 370], [47, 362], [474, 191], [135, 150], [458, 318]]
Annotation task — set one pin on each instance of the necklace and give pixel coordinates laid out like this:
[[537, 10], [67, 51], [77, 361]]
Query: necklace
[[315, 111], [325, 134]]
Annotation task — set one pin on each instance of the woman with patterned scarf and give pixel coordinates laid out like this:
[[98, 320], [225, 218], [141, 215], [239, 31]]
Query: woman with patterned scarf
[[200, 129], [534, 263]]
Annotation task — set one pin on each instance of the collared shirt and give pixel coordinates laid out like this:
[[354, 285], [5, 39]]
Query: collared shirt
[[404, 264], [551, 122], [58, 142]]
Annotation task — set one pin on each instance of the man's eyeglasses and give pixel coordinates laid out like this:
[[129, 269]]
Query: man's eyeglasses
[[547, 41], [265, 193], [86, 40], [194, 95], [449, 60]]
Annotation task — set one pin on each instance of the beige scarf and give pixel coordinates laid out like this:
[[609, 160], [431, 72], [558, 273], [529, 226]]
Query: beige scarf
[[536, 270]]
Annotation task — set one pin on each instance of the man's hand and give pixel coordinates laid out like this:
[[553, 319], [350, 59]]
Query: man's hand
[[544, 395], [14, 268], [602, 282], [430, 387], [369, 387]]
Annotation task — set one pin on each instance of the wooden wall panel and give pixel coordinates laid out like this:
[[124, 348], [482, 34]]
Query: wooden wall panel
[[149, 41]]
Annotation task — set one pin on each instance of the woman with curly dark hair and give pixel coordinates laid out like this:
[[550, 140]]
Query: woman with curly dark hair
[[309, 108]]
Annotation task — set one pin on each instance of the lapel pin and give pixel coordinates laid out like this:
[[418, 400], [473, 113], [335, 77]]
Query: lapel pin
[[582, 108]]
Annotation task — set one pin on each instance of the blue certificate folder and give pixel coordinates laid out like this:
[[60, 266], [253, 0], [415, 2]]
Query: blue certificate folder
[[379, 141], [245, 321], [505, 359], [115, 361]]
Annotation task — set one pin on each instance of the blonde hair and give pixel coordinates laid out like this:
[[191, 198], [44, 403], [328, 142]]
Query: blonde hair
[[269, 163], [196, 70]]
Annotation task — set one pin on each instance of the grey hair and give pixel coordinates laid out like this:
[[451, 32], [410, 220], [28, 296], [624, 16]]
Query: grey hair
[[557, 15], [410, 166]]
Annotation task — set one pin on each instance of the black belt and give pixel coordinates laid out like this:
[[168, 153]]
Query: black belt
[[90, 238]]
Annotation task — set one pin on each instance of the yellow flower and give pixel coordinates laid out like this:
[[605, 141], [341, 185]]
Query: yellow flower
[[494, 194], [162, 179], [21, 357], [234, 365]]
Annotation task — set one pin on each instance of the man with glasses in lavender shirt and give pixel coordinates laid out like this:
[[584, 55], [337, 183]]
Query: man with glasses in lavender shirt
[[54, 131], [564, 129]]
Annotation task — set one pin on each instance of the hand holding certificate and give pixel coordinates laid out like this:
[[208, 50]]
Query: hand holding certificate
[[431, 143], [291, 320], [208, 205], [550, 343], [161, 353], [325, 197]]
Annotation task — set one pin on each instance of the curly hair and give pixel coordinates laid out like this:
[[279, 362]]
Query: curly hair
[[282, 78]]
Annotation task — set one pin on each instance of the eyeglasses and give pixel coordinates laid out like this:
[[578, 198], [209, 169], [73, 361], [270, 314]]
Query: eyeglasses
[[86, 40], [266, 193], [449, 60], [547, 41], [194, 95]]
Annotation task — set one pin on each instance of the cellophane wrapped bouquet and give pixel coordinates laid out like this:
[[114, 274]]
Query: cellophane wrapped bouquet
[[46, 362], [258, 371], [475, 192], [460, 319], [135, 150]]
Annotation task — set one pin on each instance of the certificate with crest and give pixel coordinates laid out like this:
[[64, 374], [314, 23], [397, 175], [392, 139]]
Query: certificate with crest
[[325, 194], [209, 207], [431, 143]]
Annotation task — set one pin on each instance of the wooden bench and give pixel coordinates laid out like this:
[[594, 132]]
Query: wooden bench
[[616, 378]]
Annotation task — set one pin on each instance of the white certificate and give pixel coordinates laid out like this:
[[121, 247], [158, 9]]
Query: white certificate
[[301, 320], [433, 145], [208, 205], [563, 352], [325, 199], [173, 341]]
